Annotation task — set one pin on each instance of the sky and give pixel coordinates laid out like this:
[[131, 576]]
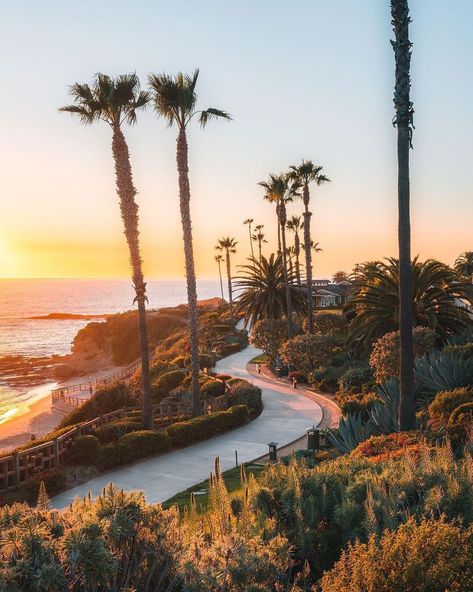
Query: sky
[[304, 79]]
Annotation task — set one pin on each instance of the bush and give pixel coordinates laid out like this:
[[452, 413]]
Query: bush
[[432, 556], [460, 423], [268, 335], [357, 403], [228, 349], [54, 481], [308, 352], [330, 323], [207, 361], [384, 359], [103, 401], [326, 379], [242, 392], [86, 449], [199, 428], [110, 456], [169, 380], [446, 402], [356, 379], [464, 351], [213, 388], [378, 446], [111, 432], [142, 443]]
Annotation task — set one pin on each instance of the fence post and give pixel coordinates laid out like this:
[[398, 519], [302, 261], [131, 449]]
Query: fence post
[[16, 464], [56, 451]]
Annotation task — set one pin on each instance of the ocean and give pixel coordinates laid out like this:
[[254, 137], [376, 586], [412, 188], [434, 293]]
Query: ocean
[[22, 299]]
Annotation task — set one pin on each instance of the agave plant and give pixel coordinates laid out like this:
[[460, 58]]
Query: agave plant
[[351, 432], [443, 371], [384, 414]]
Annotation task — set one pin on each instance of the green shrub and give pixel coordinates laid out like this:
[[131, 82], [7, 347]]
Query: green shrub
[[269, 335], [242, 392], [205, 426], [460, 423], [306, 353], [207, 361], [464, 351], [446, 402], [356, 379], [432, 556], [54, 481], [111, 432], [213, 388], [86, 449], [326, 378], [222, 328], [159, 368], [110, 456], [142, 443], [330, 323], [357, 403], [228, 349], [103, 401], [170, 380]]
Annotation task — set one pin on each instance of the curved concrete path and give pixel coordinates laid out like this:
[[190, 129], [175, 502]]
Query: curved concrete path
[[285, 417]]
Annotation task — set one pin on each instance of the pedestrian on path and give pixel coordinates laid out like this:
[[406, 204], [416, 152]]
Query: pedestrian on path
[[294, 382], [258, 368]]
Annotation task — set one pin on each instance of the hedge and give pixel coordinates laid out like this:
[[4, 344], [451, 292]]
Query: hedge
[[205, 426], [170, 380], [87, 449], [213, 388], [446, 402], [111, 432], [142, 443]]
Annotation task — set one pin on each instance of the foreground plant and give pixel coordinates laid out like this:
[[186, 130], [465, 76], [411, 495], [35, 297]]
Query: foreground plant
[[116, 101], [175, 99]]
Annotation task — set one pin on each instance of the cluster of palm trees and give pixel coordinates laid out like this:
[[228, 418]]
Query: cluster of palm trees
[[116, 101]]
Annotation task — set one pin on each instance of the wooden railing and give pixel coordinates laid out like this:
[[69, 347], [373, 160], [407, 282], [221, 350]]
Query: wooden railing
[[65, 393], [19, 466]]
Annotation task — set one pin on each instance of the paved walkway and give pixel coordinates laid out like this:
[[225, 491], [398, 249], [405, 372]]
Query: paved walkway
[[286, 415]]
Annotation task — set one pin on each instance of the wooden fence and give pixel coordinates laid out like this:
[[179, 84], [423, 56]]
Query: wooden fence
[[19, 466], [65, 393]]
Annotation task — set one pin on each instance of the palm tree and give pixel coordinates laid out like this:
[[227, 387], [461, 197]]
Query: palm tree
[[281, 189], [374, 300], [228, 245], [259, 238], [295, 224], [306, 173], [340, 276], [249, 222], [262, 288], [464, 265], [175, 100], [219, 259], [403, 119], [116, 101]]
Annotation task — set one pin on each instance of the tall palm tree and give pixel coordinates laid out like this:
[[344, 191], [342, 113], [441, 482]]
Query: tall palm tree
[[262, 290], [219, 259], [464, 265], [280, 190], [116, 101], [228, 245], [403, 120], [295, 225], [259, 238], [307, 172], [175, 99], [249, 222]]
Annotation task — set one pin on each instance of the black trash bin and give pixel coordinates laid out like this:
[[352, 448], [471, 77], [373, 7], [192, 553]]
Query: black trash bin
[[313, 439]]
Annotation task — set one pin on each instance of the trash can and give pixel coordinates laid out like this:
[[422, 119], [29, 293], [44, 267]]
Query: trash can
[[313, 439], [273, 451]]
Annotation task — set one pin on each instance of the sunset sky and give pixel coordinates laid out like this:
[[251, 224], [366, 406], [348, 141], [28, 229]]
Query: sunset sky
[[303, 79]]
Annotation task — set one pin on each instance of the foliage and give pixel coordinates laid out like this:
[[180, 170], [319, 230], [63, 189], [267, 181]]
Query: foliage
[[384, 358], [135, 445], [169, 380], [111, 432], [308, 352], [374, 301], [268, 335], [445, 402], [443, 371], [262, 290], [361, 403], [86, 449], [464, 265], [54, 481], [430, 556], [384, 412], [460, 424], [213, 388], [330, 323], [378, 447], [103, 401], [350, 432], [357, 378], [241, 392], [227, 349]]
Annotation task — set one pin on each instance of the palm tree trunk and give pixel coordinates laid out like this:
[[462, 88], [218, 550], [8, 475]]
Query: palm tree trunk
[[279, 229], [282, 214], [259, 249], [184, 202], [308, 259], [401, 45], [251, 241], [291, 267], [297, 250], [220, 276], [129, 211], [229, 279]]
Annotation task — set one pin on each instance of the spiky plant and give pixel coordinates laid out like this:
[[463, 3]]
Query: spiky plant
[[305, 174], [175, 100], [116, 101]]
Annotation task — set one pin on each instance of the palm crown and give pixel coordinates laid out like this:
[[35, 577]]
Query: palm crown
[[295, 224], [464, 264], [280, 189], [175, 99], [227, 243], [113, 100]]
